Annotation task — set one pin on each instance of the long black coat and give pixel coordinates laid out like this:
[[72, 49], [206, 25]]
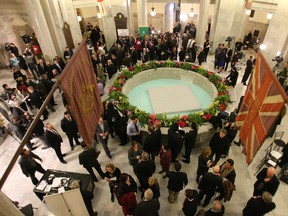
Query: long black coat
[[270, 186], [257, 207], [219, 145], [36, 99], [177, 180], [53, 139], [209, 183]]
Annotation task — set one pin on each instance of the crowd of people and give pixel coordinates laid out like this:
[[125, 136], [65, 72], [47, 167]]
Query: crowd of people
[[33, 87]]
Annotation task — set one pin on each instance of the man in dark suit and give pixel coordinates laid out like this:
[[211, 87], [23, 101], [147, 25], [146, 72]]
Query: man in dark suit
[[88, 158], [20, 131], [190, 203], [144, 169], [189, 141], [54, 140], [177, 180], [59, 67], [248, 70], [150, 143], [29, 165], [69, 126], [208, 185], [218, 144], [148, 206], [36, 99], [266, 181], [259, 205], [102, 133], [42, 69], [134, 55]]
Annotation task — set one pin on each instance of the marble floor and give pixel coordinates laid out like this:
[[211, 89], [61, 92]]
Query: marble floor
[[20, 188]]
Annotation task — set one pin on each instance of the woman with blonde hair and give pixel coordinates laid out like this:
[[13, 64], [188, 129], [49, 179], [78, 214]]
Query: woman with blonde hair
[[154, 186], [112, 176], [204, 162]]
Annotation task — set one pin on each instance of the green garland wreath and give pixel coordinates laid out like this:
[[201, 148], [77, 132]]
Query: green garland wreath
[[219, 103]]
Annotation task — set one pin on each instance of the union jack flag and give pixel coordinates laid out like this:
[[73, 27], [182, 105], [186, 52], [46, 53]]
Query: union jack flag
[[262, 103]]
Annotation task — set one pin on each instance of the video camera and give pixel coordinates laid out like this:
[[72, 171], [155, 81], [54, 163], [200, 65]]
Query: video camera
[[278, 59]]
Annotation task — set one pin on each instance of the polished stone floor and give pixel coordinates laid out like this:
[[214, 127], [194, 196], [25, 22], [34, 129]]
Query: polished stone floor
[[20, 188]]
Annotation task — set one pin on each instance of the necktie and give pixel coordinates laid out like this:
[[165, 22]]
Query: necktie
[[136, 127]]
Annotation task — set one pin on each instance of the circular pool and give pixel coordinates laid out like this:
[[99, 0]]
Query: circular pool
[[170, 90]]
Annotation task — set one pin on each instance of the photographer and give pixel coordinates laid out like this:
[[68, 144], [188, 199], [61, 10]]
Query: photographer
[[283, 75]]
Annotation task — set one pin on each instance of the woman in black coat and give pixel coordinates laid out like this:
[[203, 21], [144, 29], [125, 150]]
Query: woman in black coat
[[112, 176], [204, 162]]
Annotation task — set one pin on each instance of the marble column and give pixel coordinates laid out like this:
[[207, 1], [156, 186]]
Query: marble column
[[130, 18], [240, 20], [55, 24], [203, 21], [142, 12], [70, 16], [169, 17], [40, 26], [225, 20], [277, 33], [108, 20]]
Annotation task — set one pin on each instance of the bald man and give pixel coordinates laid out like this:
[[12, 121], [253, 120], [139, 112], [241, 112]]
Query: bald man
[[209, 183], [266, 181]]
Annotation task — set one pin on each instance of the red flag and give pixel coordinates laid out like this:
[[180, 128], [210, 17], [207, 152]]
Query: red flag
[[262, 103], [79, 85]]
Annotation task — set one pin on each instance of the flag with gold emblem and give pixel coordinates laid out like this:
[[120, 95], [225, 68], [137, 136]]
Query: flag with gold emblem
[[262, 103], [79, 85]]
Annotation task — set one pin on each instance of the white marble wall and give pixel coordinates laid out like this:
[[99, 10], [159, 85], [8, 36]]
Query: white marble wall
[[277, 32]]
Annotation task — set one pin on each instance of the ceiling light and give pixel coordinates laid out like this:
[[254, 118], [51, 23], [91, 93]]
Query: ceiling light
[[248, 12], [183, 17], [191, 14], [153, 12], [269, 16], [263, 46], [79, 18]]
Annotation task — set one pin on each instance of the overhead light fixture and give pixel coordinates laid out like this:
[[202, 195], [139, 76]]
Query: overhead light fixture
[[263, 46], [79, 18], [153, 12], [278, 53], [248, 12], [269, 16], [99, 15], [183, 17], [191, 13]]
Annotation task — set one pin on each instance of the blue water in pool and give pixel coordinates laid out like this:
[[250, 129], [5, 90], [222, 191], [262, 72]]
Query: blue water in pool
[[139, 95]]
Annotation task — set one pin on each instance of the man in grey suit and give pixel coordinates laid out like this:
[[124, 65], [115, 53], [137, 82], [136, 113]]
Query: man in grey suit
[[103, 135]]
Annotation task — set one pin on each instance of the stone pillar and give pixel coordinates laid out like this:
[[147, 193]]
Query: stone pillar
[[276, 34], [70, 16], [40, 27], [108, 20], [203, 21], [240, 20], [55, 25], [169, 17], [130, 18], [142, 12], [226, 21]]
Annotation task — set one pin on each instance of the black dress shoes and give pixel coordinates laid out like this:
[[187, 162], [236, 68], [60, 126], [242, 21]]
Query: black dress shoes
[[186, 161], [64, 162]]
